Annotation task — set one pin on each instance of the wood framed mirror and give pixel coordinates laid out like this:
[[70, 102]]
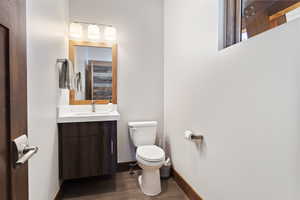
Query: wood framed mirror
[[95, 65]]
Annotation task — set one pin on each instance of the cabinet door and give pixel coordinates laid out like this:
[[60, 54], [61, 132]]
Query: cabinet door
[[109, 129], [95, 142], [112, 126], [69, 159], [91, 156]]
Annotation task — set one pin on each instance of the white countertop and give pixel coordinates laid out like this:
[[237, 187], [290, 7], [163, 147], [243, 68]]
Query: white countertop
[[83, 113]]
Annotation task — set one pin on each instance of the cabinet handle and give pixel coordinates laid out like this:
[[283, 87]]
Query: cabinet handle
[[112, 147]]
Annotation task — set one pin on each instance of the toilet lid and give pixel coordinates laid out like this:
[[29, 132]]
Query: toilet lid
[[150, 153]]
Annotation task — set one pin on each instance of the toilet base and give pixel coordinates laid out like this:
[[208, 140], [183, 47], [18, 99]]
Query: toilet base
[[149, 182]]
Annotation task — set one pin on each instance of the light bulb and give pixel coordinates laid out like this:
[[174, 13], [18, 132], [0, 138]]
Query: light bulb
[[75, 30], [93, 32], [110, 33]]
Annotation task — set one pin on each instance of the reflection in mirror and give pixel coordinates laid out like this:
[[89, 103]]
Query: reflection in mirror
[[244, 19], [94, 65], [95, 68]]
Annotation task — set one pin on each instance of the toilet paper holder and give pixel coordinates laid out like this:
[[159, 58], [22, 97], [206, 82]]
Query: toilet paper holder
[[189, 135], [197, 137]]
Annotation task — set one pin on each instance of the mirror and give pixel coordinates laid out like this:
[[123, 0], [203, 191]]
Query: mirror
[[95, 67], [244, 19]]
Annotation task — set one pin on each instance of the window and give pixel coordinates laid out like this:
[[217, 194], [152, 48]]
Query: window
[[243, 19]]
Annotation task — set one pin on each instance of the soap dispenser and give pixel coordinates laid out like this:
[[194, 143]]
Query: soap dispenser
[[110, 105]]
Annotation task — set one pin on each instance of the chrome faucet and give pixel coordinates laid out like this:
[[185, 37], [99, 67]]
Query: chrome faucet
[[93, 106]]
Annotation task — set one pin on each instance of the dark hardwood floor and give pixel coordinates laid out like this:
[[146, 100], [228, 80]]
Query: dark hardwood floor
[[122, 186]]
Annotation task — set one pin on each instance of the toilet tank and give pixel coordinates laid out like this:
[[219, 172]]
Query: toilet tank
[[142, 133]]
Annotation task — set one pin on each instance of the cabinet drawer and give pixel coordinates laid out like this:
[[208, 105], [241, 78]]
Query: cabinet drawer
[[84, 129], [90, 129], [69, 130]]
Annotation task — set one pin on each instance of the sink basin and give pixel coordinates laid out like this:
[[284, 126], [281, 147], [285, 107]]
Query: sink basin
[[72, 114], [91, 113]]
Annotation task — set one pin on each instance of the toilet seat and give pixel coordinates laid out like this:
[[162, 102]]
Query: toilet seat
[[150, 153]]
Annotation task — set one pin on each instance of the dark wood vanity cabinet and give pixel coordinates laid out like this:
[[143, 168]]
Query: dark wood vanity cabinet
[[87, 149]]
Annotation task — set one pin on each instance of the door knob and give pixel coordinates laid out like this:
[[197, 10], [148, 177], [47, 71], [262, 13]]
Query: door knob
[[22, 152]]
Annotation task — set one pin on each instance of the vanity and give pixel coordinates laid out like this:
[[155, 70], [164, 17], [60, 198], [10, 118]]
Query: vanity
[[87, 142], [87, 127]]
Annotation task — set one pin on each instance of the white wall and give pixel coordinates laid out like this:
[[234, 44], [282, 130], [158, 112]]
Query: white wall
[[139, 25], [46, 26], [246, 100]]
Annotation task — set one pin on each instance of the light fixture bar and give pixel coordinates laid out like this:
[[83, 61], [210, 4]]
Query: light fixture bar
[[88, 23]]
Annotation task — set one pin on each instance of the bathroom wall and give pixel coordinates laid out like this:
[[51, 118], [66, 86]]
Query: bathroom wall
[[139, 25], [46, 41], [244, 99]]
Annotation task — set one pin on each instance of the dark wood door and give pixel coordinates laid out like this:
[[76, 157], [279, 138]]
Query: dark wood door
[[13, 99], [4, 122]]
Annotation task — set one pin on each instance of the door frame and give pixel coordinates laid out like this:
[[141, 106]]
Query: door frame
[[13, 18]]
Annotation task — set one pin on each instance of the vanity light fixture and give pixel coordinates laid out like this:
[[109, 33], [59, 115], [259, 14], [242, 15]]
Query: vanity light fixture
[[110, 34], [76, 30], [93, 32]]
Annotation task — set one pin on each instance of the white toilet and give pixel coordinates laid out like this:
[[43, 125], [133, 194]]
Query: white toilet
[[149, 156]]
